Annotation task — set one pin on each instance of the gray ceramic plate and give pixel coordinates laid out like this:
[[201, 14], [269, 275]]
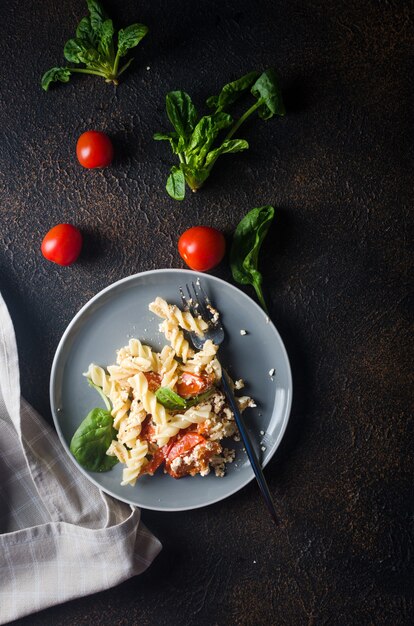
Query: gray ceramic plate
[[120, 312]]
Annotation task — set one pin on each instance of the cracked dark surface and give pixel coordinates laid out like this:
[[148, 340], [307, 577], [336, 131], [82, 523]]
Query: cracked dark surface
[[337, 268]]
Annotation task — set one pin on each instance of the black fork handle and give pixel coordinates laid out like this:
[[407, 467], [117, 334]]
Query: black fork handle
[[249, 447]]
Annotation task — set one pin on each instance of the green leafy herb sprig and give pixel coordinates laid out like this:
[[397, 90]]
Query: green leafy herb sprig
[[93, 438], [173, 402], [97, 47], [247, 241], [194, 140]]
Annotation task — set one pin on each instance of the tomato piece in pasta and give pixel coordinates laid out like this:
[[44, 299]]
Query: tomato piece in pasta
[[157, 460], [182, 444], [153, 380], [191, 384], [148, 429]]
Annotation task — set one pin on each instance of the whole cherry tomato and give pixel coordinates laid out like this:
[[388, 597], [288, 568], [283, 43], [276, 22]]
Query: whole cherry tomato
[[94, 149], [202, 247], [62, 244]]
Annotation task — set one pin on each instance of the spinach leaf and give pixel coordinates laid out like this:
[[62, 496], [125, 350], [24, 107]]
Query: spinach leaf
[[173, 402], [198, 144], [172, 137], [106, 44], [85, 32], [266, 90], [247, 241], [176, 183], [97, 15], [130, 37], [231, 145], [54, 74], [79, 51], [181, 112], [94, 47], [204, 135], [195, 176], [92, 439], [232, 91]]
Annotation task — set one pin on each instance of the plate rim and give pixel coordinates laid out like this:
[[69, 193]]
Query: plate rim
[[90, 303]]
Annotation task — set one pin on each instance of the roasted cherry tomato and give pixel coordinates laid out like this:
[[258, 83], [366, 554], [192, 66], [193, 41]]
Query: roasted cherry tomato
[[192, 384], [62, 244], [147, 429], [94, 149], [182, 445], [202, 247], [154, 380], [153, 465]]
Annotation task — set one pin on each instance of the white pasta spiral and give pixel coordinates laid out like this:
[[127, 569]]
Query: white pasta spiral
[[134, 463], [120, 404], [200, 360], [129, 427], [177, 340], [149, 401], [100, 378], [182, 420], [184, 319], [120, 451], [169, 367]]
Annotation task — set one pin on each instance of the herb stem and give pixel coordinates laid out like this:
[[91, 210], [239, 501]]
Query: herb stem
[[116, 64], [101, 393], [85, 71], [124, 67], [236, 127], [243, 119], [261, 298]]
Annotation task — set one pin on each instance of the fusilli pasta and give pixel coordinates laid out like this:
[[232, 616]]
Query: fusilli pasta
[[180, 428]]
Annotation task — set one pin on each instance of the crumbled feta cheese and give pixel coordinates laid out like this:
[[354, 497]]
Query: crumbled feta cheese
[[215, 314], [239, 384], [243, 332], [262, 432], [272, 372], [263, 448]]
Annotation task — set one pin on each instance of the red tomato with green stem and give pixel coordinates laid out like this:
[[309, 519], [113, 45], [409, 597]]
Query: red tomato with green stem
[[94, 149], [202, 247], [62, 244]]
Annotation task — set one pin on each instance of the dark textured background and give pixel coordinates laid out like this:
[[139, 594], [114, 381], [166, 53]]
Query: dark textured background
[[336, 264]]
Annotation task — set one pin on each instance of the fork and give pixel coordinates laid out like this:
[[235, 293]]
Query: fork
[[198, 303]]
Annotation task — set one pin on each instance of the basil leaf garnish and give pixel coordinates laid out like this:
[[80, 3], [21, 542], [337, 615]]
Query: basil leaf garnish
[[173, 402]]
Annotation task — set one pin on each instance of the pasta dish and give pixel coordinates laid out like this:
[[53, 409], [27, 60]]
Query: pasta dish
[[167, 407]]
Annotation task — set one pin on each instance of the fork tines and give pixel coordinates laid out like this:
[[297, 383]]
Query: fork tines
[[197, 302]]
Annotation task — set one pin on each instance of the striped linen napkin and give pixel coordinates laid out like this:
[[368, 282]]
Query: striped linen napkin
[[60, 536]]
